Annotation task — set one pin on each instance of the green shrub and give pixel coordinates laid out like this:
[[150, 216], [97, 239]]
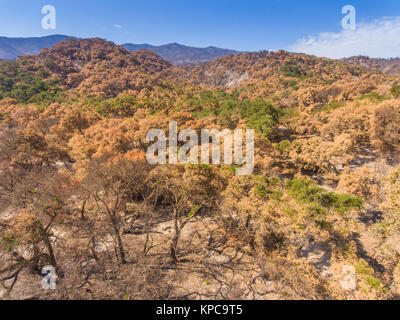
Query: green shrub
[[267, 188], [260, 114], [319, 199], [28, 86], [291, 69], [395, 90], [373, 96], [329, 107], [283, 146], [121, 106]]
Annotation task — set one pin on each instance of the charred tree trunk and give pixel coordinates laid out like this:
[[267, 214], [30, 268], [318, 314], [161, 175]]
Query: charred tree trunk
[[120, 245], [175, 239], [49, 247], [83, 209]]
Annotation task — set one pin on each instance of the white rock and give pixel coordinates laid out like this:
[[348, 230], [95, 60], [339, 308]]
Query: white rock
[[3, 293]]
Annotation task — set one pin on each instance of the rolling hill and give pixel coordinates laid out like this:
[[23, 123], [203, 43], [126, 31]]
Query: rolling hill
[[386, 66]]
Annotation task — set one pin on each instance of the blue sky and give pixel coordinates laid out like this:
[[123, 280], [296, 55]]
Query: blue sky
[[310, 26]]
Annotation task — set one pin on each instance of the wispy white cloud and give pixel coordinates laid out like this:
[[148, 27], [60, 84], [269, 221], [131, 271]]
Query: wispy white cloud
[[377, 39], [118, 26]]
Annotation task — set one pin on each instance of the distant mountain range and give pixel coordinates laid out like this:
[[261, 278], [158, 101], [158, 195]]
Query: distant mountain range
[[183, 55], [11, 48]]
